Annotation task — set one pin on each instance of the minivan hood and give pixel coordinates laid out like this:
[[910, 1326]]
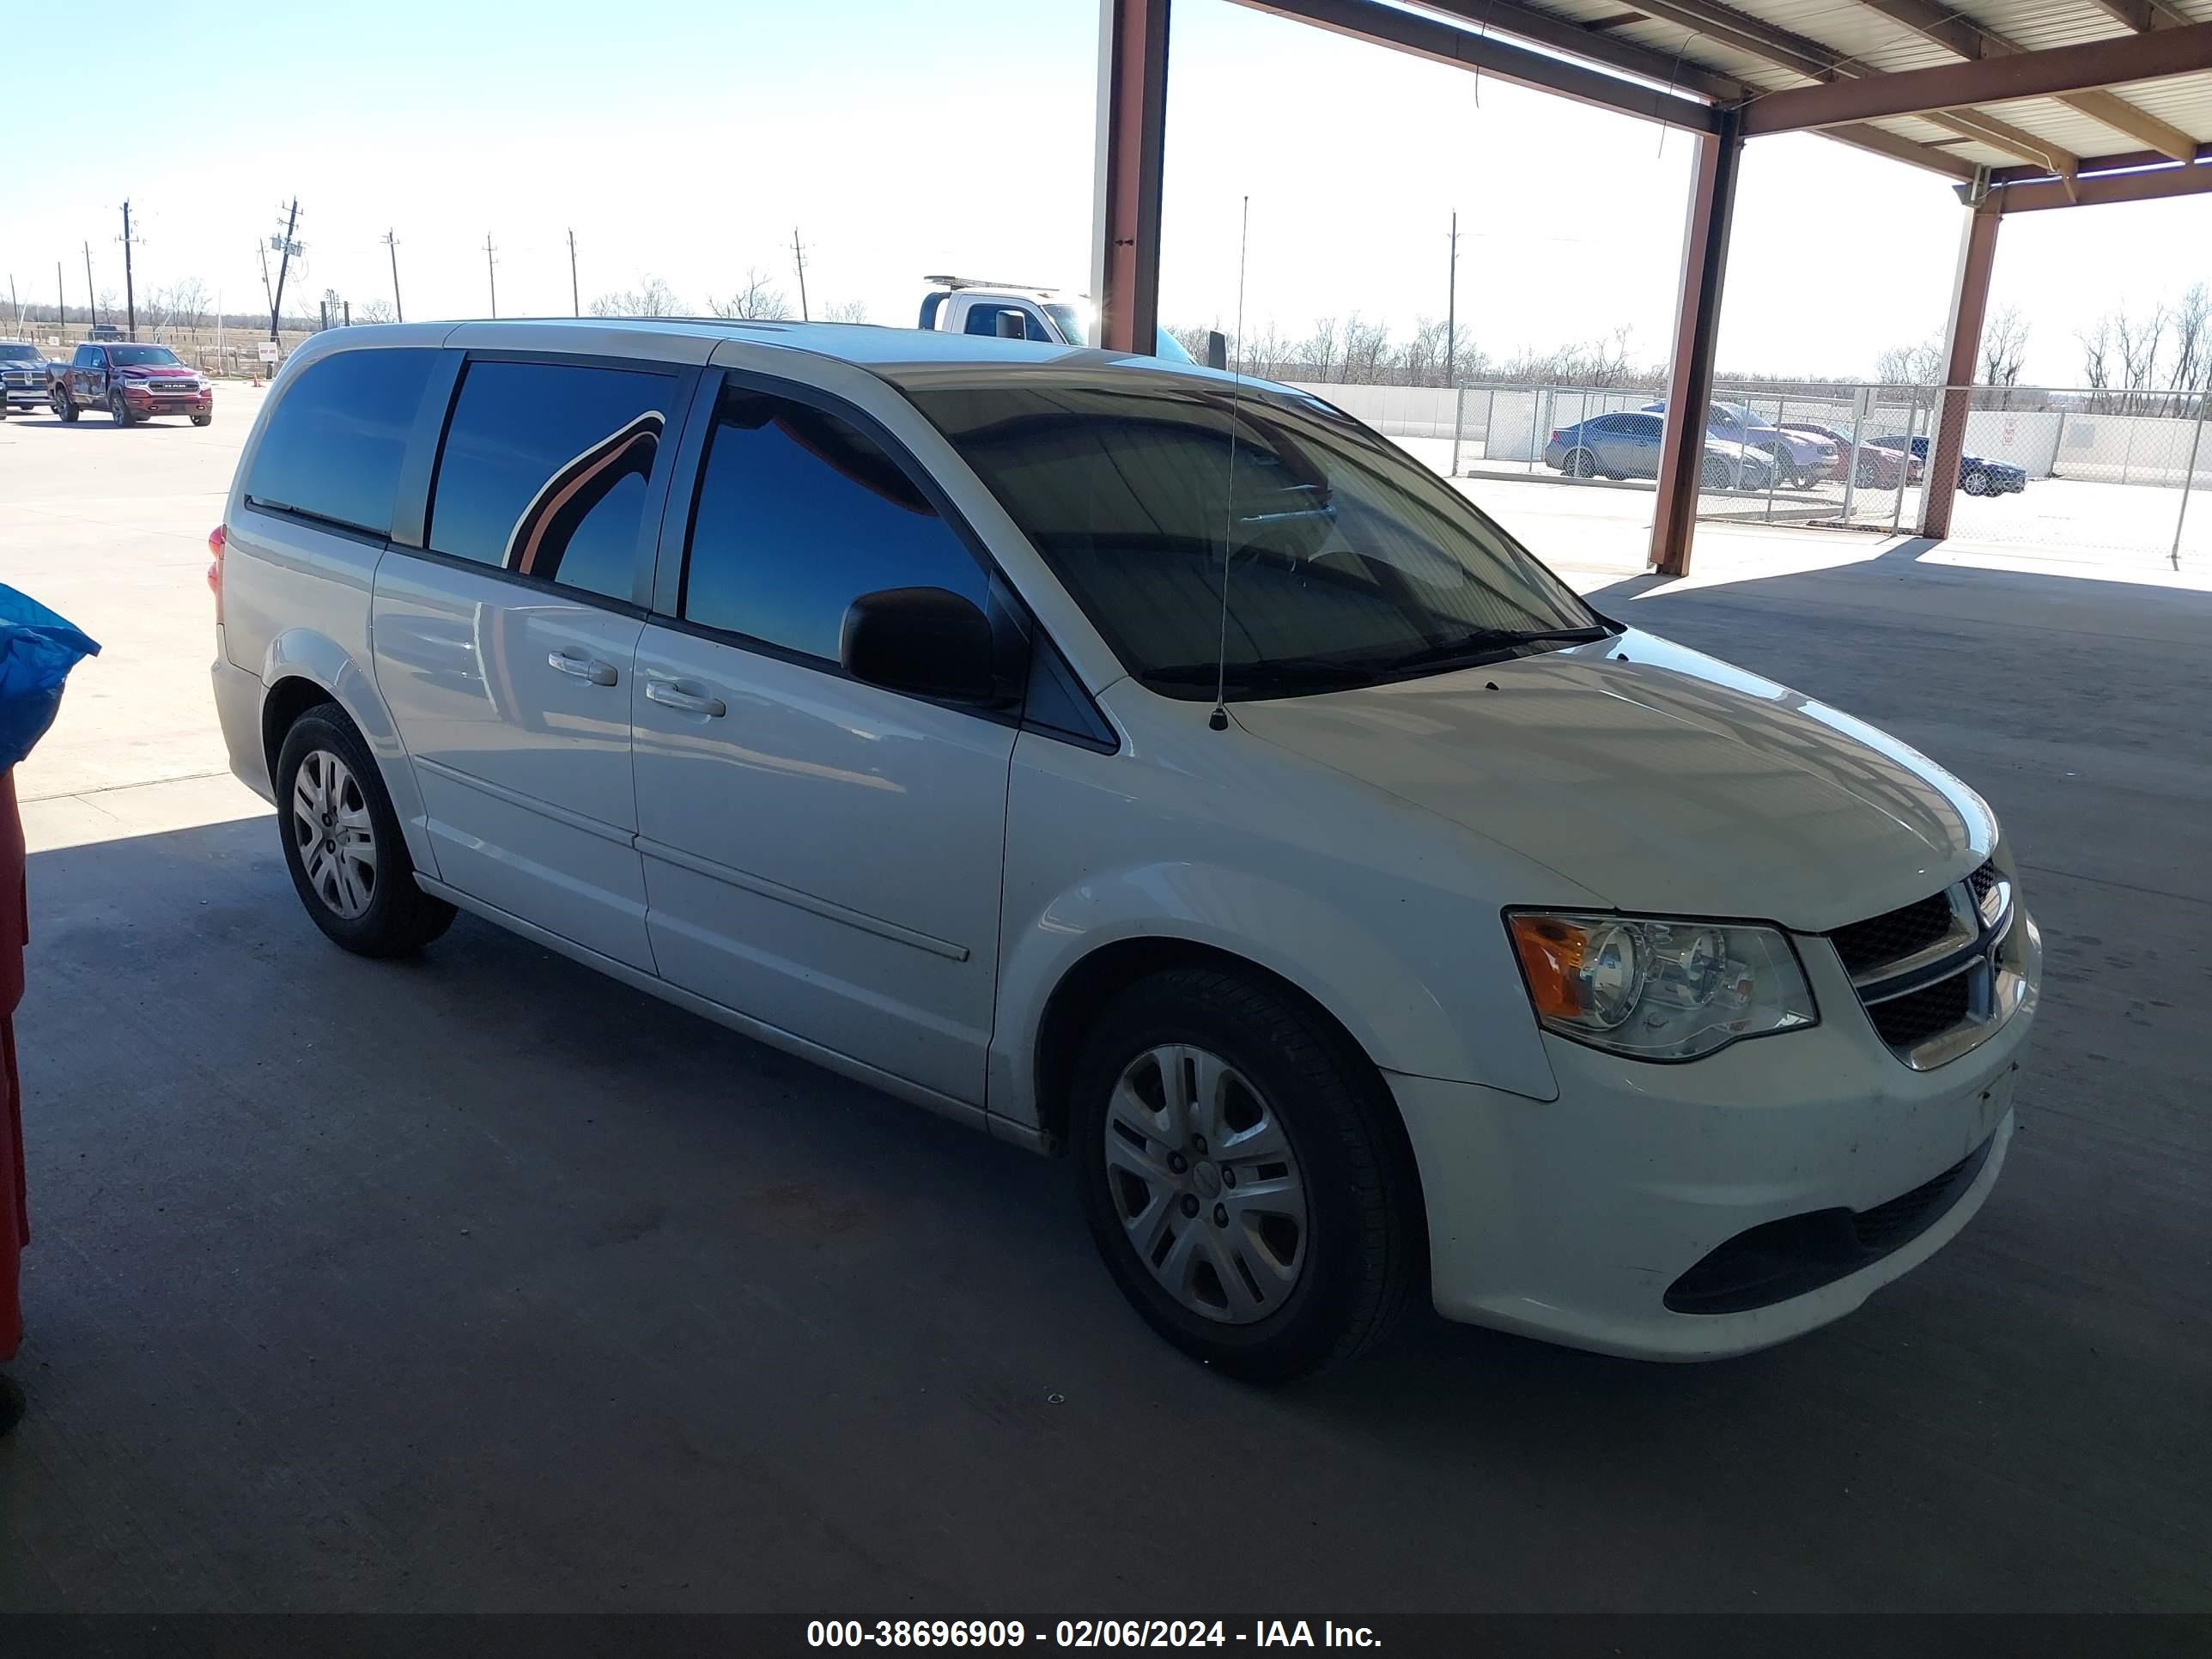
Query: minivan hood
[[1664, 781]]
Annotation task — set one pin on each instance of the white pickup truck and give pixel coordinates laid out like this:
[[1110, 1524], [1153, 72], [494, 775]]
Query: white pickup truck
[[965, 304]]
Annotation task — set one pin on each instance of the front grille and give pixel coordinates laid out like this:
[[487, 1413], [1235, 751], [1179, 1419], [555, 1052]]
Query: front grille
[[1894, 935], [1908, 1021], [1800, 1254]]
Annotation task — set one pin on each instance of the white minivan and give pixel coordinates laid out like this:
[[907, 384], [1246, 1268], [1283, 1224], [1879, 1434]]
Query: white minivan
[[1131, 762]]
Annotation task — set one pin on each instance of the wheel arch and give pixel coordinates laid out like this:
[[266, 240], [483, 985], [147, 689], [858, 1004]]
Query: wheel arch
[[303, 668]]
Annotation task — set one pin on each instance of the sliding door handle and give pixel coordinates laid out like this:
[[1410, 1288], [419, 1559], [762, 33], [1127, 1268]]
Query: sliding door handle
[[583, 668], [671, 694]]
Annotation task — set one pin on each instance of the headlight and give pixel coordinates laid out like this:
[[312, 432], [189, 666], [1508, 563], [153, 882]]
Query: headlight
[[1671, 989]]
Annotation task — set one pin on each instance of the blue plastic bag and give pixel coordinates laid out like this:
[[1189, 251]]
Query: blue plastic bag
[[37, 651]]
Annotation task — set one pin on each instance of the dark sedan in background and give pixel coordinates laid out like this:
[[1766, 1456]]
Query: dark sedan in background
[[1976, 475], [1627, 446]]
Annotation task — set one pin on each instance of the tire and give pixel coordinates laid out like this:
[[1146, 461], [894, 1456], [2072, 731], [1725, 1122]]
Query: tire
[[371, 905], [1579, 463], [64, 406], [1975, 484], [119, 411], [201, 420], [1330, 1215], [1713, 473]]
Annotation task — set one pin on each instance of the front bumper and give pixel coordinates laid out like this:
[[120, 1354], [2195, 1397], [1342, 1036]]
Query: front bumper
[[1570, 1219], [141, 401]]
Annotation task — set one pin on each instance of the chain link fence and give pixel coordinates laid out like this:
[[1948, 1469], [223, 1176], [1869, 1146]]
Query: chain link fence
[[2054, 470]]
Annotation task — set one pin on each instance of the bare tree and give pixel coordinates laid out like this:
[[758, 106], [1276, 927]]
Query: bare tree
[[2140, 340], [654, 299], [2004, 348], [2192, 341], [846, 311], [1912, 365], [1366, 349], [377, 311], [1191, 337], [1321, 352], [2096, 359], [758, 300], [1421, 359]]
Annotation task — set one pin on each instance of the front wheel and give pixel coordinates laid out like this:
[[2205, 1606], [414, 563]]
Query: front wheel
[[118, 410], [1243, 1175], [343, 845], [201, 420], [63, 405]]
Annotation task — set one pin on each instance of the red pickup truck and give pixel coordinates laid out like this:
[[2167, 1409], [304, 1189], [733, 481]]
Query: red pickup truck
[[131, 382]]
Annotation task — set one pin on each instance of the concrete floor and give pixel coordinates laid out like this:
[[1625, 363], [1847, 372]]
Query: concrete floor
[[482, 1283]]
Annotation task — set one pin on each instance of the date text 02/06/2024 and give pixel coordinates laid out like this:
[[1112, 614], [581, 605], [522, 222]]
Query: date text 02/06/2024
[[1085, 1633]]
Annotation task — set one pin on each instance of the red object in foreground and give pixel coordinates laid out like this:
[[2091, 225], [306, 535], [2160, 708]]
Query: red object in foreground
[[14, 934]]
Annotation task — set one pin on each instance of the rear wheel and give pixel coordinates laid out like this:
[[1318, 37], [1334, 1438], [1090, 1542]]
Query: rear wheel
[[342, 844], [63, 405], [1240, 1175], [1714, 473], [1580, 464]]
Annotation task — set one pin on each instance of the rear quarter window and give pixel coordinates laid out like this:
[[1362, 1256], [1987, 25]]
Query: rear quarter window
[[334, 445]]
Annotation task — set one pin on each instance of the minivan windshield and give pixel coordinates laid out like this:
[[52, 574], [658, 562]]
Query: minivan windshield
[[142, 356], [1347, 562]]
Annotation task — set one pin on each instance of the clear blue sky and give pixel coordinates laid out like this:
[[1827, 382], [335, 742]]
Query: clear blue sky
[[686, 140]]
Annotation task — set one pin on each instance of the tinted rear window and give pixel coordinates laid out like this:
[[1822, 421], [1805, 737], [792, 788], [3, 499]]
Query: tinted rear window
[[334, 445], [546, 470]]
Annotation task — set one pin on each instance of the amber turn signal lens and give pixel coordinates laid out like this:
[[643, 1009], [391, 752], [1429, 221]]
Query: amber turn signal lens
[[1551, 953]]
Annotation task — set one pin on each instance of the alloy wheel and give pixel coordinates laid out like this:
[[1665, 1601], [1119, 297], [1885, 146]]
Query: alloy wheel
[[1205, 1185], [333, 834]]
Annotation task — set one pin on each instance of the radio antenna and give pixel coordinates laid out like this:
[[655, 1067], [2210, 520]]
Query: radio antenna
[[1219, 720]]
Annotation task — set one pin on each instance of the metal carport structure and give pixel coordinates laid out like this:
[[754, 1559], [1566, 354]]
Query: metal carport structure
[[2025, 104]]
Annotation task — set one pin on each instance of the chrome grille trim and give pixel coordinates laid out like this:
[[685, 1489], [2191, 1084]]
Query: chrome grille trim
[[1978, 949]]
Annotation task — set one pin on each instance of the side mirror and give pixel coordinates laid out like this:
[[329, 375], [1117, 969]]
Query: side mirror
[[1216, 349], [1012, 325], [927, 640]]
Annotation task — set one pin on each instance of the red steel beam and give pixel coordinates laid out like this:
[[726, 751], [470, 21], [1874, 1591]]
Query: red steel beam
[[2155, 184], [1471, 49], [1697, 329], [1132, 107], [2094, 63], [1969, 304]]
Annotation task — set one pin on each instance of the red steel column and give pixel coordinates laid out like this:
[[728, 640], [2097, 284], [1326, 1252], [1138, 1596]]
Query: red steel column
[[1970, 302], [1133, 106], [1697, 326]]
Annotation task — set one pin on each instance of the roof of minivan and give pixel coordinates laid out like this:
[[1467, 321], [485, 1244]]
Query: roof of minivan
[[884, 351]]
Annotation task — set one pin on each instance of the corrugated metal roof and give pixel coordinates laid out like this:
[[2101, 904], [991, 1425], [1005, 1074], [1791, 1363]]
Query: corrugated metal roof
[[1860, 37]]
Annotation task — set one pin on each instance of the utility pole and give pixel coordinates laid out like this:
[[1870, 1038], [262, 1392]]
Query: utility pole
[[286, 248], [1451, 312], [491, 273], [799, 258], [392, 246], [575, 299], [61, 302], [348, 313], [130, 298], [15, 302], [91, 301]]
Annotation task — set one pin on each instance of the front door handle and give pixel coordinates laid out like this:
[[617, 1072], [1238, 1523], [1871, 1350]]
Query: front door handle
[[670, 694], [584, 668]]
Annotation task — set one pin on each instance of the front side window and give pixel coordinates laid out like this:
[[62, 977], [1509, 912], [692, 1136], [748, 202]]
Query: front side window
[[545, 468], [799, 514], [1345, 560], [143, 356], [88, 357], [983, 319], [334, 444]]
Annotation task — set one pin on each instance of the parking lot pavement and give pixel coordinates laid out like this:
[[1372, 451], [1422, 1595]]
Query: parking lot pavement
[[480, 1283]]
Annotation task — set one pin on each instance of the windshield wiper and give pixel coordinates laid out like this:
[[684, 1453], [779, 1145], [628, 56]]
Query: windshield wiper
[[1273, 673], [1491, 642]]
